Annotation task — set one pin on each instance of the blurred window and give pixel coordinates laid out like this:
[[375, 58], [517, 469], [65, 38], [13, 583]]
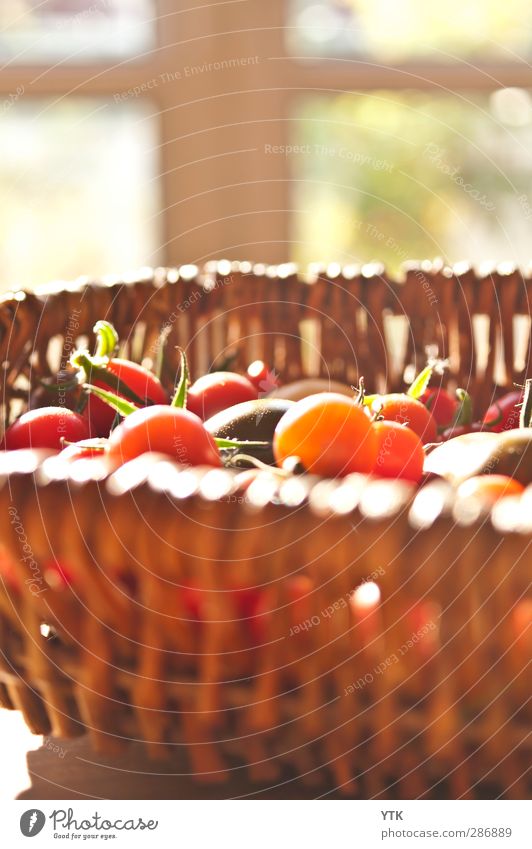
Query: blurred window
[[78, 182], [418, 141], [398, 30], [33, 31], [395, 176]]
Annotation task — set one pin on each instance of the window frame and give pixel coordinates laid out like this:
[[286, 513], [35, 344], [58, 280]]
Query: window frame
[[196, 196]]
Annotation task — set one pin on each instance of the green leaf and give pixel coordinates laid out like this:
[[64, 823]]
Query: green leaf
[[525, 419], [180, 398], [420, 383], [107, 339], [125, 408], [464, 413]]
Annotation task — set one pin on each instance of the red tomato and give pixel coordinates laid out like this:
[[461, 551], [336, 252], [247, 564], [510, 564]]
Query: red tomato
[[503, 414], [143, 383], [170, 430], [399, 407], [214, 392], [441, 404], [399, 452], [46, 427], [331, 435], [262, 378]]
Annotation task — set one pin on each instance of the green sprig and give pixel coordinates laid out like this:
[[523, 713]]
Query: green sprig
[[125, 408], [180, 397]]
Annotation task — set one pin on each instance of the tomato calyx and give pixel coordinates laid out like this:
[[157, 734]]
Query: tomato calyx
[[93, 367]]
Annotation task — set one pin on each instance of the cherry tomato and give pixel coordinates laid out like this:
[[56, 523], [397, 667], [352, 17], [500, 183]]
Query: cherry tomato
[[46, 427], [217, 391], [399, 407], [489, 488], [330, 434], [263, 379], [441, 404], [170, 430], [503, 414], [399, 452], [143, 383]]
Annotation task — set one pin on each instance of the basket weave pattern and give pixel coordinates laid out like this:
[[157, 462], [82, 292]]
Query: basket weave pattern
[[382, 715]]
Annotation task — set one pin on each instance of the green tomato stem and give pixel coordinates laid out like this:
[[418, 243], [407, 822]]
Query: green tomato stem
[[180, 397], [107, 339], [96, 369]]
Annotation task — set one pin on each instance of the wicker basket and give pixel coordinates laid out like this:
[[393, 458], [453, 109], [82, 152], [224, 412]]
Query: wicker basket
[[380, 706]]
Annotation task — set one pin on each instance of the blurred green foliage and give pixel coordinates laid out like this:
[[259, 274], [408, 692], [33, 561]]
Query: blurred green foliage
[[394, 176]]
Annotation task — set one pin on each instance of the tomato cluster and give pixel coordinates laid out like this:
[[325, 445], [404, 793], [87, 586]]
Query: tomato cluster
[[120, 410], [124, 411]]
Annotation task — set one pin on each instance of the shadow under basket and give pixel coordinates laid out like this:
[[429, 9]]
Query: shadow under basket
[[356, 631]]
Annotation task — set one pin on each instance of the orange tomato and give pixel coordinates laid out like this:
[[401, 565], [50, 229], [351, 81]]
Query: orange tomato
[[489, 488], [399, 452], [399, 407], [331, 435]]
